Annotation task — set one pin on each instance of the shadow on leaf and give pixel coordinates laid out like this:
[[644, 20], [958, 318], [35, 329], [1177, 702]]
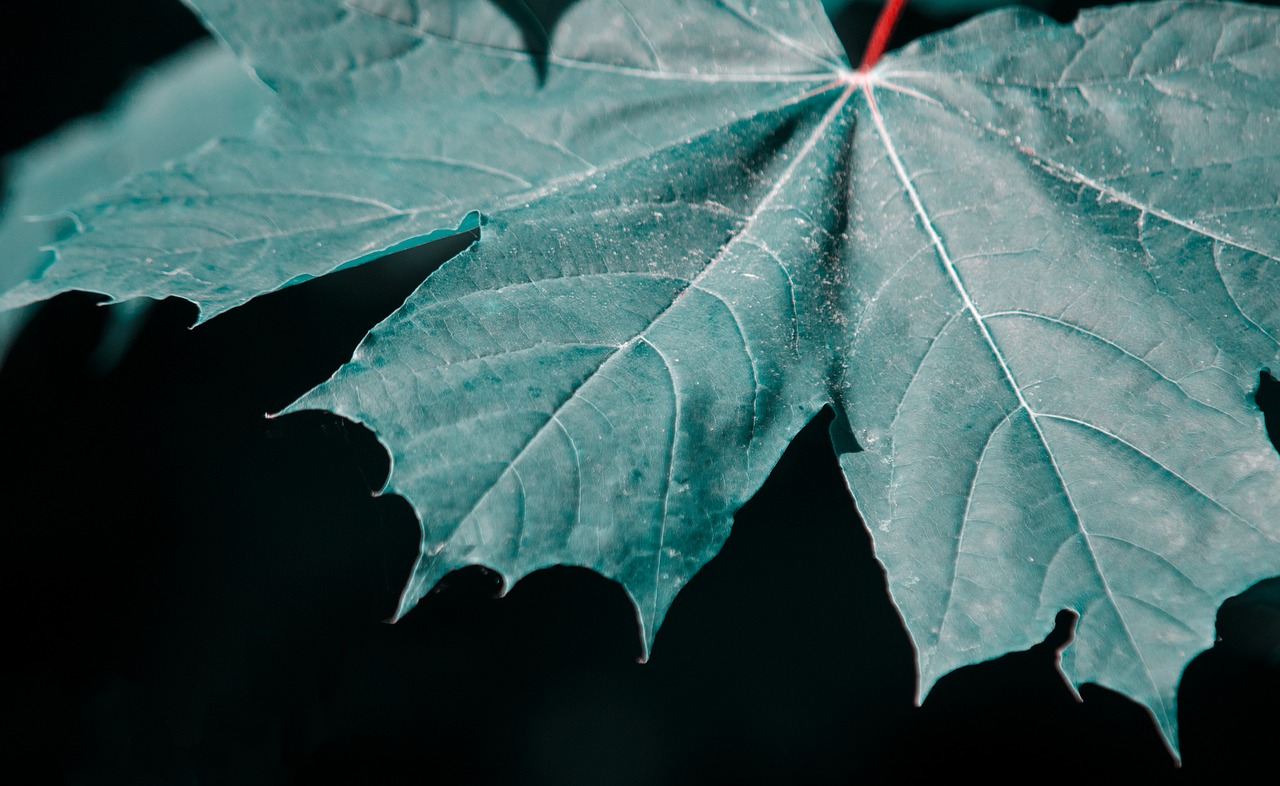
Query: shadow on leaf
[[1267, 398], [537, 22]]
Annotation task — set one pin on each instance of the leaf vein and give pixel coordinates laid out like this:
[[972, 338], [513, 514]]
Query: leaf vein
[[1071, 326], [756, 387], [671, 463], [1166, 469], [964, 520], [1162, 558]]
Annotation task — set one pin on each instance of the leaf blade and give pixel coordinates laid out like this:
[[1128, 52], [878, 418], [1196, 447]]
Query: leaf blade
[[1076, 470], [635, 416]]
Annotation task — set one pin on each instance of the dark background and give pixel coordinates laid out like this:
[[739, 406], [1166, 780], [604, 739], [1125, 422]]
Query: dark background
[[196, 591]]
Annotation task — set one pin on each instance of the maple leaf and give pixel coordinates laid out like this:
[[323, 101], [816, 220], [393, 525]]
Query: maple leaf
[[1032, 267]]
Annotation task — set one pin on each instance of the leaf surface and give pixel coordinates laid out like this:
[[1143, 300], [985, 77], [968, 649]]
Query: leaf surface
[[1032, 266]]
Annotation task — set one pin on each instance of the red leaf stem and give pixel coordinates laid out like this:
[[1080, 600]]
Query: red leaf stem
[[887, 20]]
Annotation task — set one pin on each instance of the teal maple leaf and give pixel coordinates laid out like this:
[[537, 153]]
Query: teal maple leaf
[[1033, 268]]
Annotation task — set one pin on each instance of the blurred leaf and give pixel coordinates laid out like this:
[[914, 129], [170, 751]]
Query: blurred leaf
[[194, 96]]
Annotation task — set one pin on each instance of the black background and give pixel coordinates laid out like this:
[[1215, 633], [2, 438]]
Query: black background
[[196, 591]]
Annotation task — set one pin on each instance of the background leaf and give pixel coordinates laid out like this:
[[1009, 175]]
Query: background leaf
[[193, 97]]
